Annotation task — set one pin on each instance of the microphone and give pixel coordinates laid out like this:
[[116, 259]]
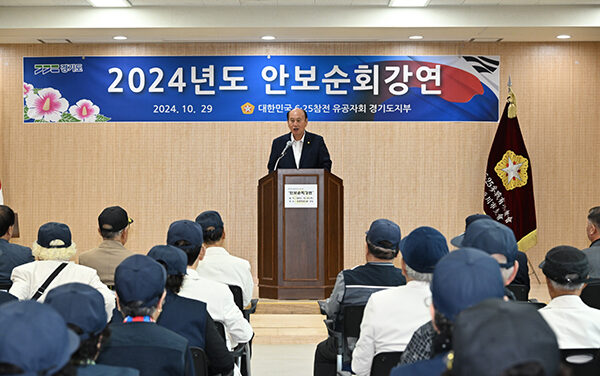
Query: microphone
[[287, 146]]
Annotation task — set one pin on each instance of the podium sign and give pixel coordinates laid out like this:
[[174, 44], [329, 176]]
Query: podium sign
[[300, 233]]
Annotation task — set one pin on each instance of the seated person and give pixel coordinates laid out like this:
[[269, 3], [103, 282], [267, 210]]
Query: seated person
[[52, 249], [13, 255], [189, 317], [82, 307], [499, 337], [188, 236], [217, 264], [35, 340], [138, 342], [355, 286], [576, 325], [391, 316], [113, 226], [461, 279]]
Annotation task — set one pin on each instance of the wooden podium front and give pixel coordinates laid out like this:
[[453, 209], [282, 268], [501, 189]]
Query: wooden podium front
[[300, 249]]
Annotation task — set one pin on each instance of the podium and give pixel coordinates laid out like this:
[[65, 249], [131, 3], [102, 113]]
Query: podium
[[300, 233]]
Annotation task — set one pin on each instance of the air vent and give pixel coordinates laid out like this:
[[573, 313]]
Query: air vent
[[487, 40]]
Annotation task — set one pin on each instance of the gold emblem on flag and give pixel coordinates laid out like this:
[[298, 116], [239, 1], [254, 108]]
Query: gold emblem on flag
[[512, 170], [247, 108]]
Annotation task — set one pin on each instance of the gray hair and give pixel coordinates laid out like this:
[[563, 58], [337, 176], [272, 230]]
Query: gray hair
[[413, 274], [110, 235], [567, 287]]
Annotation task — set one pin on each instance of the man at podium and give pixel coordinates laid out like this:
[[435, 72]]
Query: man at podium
[[308, 150]]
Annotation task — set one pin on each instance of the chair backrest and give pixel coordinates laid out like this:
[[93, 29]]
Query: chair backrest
[[237, 296], [591, 295], [353, 315], [200, 361], [5, 286], [520, 291], [583, 362], [221, 329], [384, 362]]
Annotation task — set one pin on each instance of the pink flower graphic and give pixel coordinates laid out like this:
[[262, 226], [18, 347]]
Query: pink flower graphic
[[27, 89], [47, 105], [85, 110]]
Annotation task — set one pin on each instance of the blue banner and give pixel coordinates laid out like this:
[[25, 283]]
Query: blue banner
[[260, 88]]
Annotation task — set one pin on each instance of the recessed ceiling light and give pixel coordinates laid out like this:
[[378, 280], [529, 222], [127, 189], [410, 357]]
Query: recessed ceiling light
[[408, 3], [110, 3], [267, 37], [415, 37], [120, 37], [563, 36]]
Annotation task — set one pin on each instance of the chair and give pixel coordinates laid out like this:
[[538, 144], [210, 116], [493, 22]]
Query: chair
[[241, 353], [521, 291], [346, 332], [583, 362], [591, 294], [200, 361], [239, 301], [384, 362]]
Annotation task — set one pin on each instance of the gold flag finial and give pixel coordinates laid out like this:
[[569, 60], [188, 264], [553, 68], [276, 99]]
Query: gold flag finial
[[512, 106]]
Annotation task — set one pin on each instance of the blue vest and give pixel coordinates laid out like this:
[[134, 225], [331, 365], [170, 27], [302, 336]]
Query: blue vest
[[186, 317]]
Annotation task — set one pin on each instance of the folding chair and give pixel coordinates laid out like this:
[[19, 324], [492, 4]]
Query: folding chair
[[241, 353], [520, 291], [591, 294], [239, 301], [346, 332], [583, 362], [384, 362], [200, 361]]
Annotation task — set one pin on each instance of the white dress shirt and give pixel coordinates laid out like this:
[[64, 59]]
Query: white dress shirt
[[219, 304], [220, 266], [297, 146], [391, 317], [28, 278], [576, 325]]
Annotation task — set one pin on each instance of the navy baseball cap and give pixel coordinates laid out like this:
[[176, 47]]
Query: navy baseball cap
[[210, 220], [175, 260], [464, 278], [457, 240], [495, 335], [140, 278], [54, 235], [113, 219], [423, 248], [492, 237], [35, 338], [189, 231], [385, 234], [566, 265], [81, 305]]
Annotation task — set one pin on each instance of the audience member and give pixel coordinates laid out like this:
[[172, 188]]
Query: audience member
[[113, 226], [575, 324], [138, 342], [355, 286], [522, 275], [82, 308], [593, 234], [188, 236], [188, 317], [53, 250], [217, 263], [13, 255], [503, 338], [392, 316], [461, 279], [35, 340], [498, 241]]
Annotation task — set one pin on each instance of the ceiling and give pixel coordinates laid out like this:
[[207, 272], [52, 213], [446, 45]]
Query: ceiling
[[75, 21]]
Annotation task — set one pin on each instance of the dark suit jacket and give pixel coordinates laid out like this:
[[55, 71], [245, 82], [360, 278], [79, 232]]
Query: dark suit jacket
[[11, 256], [152, 349], [314, 153]]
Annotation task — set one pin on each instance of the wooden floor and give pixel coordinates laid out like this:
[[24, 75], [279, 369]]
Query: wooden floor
[[300, 322]]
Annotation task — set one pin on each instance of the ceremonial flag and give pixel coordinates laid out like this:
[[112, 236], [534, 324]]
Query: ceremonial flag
[[508, 189], [1, 198]]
